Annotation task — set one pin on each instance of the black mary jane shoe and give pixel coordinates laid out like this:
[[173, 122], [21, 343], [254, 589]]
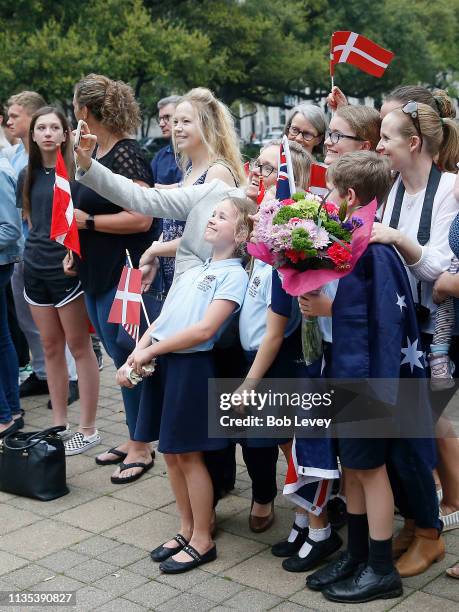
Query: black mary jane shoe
[[365, 585], [318, 553], [339, 569], [179, 567], [162, 552], [288, 549], [9, 430]]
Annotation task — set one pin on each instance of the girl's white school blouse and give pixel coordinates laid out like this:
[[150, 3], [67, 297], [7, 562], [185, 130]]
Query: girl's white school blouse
[[193, 292]]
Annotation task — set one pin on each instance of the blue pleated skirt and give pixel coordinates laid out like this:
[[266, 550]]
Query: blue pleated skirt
[[179, 397]]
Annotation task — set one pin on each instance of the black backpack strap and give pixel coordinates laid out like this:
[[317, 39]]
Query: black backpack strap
[[427, 206], [426, 214]]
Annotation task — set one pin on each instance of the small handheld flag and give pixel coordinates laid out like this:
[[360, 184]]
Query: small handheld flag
[[351, 48], [285, 186], [63, 223], [317, 182], [126, 305], [261, 190]]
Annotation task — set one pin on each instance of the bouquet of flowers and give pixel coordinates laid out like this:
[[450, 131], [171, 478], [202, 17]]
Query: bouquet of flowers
[[311, 242]]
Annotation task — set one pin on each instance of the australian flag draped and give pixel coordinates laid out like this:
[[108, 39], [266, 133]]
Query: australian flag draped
[[285, 186], [376, 336]]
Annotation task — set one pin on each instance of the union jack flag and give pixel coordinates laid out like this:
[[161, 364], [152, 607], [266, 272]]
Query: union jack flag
[[307, 486], [285, 186]]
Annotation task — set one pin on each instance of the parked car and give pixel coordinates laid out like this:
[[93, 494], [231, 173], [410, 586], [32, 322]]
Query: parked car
[[150, 146]]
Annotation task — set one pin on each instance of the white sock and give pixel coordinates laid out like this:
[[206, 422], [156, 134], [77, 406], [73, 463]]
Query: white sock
[[302, 520], [316, 535], [319, 535]]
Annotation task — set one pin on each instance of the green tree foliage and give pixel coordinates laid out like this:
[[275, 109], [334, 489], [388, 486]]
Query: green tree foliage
[[242, 49]]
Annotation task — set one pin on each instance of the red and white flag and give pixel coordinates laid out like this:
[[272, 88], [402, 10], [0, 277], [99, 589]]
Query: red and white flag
[[317, 181], [125, 309], [351, 48], [63, 223], [261, 190]]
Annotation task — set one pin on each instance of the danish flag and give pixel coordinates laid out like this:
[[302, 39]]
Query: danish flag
[[63, 223], [285, 186], [351, 48], [126, 305], [317, 182]]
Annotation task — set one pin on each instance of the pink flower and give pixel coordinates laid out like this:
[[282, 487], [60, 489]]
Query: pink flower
[[288, 202], [331, 208]]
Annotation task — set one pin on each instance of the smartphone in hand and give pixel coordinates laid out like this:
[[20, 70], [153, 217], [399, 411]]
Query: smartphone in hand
[[78, 134]]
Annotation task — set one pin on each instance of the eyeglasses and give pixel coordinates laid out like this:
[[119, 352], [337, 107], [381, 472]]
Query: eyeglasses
[[264, 169], [163, 119], [411, 109], [335, 137], [307, 136]]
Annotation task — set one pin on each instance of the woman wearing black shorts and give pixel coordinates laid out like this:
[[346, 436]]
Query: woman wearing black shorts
[[56, 300]]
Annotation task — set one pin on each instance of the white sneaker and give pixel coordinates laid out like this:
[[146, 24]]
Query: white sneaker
[[79, 443], [66, 434], [450, 521]]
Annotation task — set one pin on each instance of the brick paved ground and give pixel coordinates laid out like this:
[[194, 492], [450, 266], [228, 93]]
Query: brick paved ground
[[96, 541]]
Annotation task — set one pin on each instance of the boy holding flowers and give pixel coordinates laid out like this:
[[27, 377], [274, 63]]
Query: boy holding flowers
[[370, 332]]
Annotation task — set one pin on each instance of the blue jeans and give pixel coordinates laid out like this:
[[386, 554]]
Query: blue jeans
[[98, 306], [9, 365]]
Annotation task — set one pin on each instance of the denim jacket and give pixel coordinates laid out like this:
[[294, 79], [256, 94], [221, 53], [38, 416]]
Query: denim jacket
[[11, 239]]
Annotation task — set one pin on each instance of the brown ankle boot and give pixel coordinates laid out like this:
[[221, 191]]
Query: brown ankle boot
[[403, 539], [427, 547]]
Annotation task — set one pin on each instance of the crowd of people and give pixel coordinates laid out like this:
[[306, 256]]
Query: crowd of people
[[214, 312]]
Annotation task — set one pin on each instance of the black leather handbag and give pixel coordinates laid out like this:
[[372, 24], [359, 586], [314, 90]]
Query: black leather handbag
[[32, 464]]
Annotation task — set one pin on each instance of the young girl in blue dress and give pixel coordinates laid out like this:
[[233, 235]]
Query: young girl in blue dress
[[197, 309], [280, 355]]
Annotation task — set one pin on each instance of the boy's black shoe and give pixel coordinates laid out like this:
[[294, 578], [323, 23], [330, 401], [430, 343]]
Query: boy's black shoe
[[337, 513], [365, 586], [319, 552], [73, 396], [33, 386], [343, 567], [288, 549]]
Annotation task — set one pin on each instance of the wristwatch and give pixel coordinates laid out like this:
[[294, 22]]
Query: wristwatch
[[89, 223]]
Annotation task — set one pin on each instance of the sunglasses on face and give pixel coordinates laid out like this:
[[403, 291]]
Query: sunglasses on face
[[411, 109]]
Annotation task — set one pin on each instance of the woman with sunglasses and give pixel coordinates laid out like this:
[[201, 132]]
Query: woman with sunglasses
[[437, 99], [306, 126], [412, 137]]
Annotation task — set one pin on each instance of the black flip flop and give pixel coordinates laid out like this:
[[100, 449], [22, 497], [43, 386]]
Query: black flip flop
[[113, 451], [126, 466]]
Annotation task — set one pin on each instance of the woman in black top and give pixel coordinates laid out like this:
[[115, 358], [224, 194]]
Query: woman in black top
[[56, 301], [106, 231]]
